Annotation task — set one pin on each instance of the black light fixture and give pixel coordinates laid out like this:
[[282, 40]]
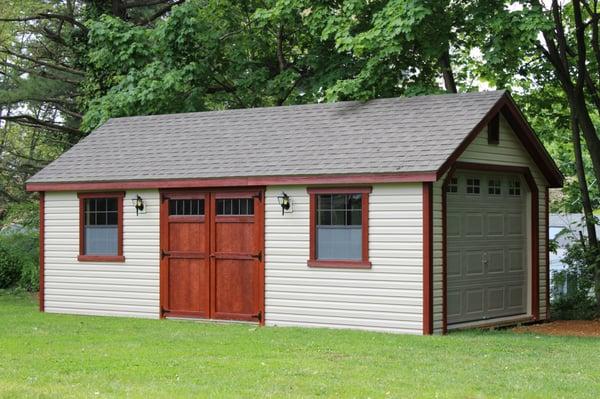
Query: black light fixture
[[138, 203], [284, 202]]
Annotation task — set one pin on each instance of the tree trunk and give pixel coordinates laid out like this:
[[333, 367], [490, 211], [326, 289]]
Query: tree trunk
[[583, 185], [446, 68]]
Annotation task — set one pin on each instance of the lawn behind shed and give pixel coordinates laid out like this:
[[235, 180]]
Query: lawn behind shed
[[46, 355]]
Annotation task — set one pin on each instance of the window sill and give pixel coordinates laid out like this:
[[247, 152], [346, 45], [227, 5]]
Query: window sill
[[340, 264], [100, 258]]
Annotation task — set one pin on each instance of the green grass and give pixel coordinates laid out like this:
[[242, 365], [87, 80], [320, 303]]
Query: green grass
[[46, 355]]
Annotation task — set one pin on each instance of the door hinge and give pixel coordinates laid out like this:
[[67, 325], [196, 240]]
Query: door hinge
[[259, 316], [164, 253], [258, 256], [259, 195]]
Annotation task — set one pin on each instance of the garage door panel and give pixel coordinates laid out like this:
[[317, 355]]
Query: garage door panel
[[485, 255], [453, 263], [495, 224], [495, 299], [495, 262], [473, 225], [473, 264]]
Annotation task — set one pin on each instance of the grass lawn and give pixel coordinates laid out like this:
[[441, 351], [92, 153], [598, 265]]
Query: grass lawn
[[46, 355]]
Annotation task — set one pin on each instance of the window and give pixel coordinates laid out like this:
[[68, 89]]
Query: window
[[452, 186], [101, 227], [339, 227], [494, 130], [473, 186], [514, 188], [494, 187], [186, 207], [235, 207]]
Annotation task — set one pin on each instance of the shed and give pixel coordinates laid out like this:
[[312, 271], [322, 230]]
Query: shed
[[410, 215]]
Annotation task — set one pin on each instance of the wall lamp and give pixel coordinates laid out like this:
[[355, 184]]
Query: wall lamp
[[138, 203], [284, 202]]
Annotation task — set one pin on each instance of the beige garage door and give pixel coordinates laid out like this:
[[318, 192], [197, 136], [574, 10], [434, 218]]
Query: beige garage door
[[486, 229]]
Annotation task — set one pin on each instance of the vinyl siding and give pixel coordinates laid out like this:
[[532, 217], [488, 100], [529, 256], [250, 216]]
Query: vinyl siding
[[387, 297], [130, 288], [509, 151]]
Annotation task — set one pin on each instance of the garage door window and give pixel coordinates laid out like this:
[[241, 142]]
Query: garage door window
[[101, 227], [495, 187], [452, 186], [514, 188], [339, 224], [473, 186]]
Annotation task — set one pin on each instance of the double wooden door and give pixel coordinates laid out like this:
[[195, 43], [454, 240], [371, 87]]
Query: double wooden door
[[212, 254]]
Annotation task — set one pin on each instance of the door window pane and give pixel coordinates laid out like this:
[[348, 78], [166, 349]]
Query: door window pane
[[186, 207], [235, 207]]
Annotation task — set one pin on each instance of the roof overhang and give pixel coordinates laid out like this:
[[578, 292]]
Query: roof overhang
[[509, 109], [405, 177]]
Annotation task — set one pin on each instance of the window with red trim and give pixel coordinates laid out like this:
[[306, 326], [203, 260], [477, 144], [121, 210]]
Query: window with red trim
[[101, 227], [339, 227]]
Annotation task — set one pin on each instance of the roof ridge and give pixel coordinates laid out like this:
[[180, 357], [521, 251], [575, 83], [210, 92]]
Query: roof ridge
[[499, 93]]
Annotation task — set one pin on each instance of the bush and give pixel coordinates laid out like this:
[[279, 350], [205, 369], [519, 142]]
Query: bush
[[10, 268], [19, 260], [579, 300]]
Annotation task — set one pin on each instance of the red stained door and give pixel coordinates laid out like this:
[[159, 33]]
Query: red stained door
[[211, 251], [236, 256], [185, 262]]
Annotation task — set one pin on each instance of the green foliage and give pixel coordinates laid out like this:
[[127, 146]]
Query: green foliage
[[10, 268], [579, 300], [19, 260]]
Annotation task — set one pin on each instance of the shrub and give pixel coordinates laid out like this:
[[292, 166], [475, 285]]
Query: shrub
[[579, 300], [19, 260]]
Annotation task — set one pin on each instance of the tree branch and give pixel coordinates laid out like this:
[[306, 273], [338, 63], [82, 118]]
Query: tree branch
[[28, 120], [43, 63], [48, 16]]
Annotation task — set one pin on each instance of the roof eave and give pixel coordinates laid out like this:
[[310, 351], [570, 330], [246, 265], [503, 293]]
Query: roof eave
[[315, 180]]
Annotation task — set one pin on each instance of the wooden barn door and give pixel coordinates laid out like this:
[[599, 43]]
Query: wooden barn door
[[236, 255], [211, 255], [185, 244]]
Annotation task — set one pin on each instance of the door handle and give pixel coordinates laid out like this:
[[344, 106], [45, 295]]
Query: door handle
[[484, 258], [258, 256]]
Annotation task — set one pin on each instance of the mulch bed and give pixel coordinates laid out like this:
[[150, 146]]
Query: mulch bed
[[573, 328]]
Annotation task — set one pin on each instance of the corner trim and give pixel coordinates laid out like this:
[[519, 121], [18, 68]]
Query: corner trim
[[42, 233], [427, 258]]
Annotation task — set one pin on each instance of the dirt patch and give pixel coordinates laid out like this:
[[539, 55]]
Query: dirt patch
[[573, 328]]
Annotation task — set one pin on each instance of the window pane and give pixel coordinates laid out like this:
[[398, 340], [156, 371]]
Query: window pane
[[101, 218], [355, 218], [101, 204], [338, 201], [111, 204], [337, 243], [101, 240], [355, 201], [112, 218], [186, 207], [338, 218], [324, 218], [324, 201]]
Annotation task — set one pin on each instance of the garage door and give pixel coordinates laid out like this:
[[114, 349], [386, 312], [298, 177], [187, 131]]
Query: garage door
[[211, 255], [486, 238]]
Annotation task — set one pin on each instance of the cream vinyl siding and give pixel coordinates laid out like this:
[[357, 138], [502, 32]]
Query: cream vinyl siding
[[511, 152], [130, 288], [387, 297]]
